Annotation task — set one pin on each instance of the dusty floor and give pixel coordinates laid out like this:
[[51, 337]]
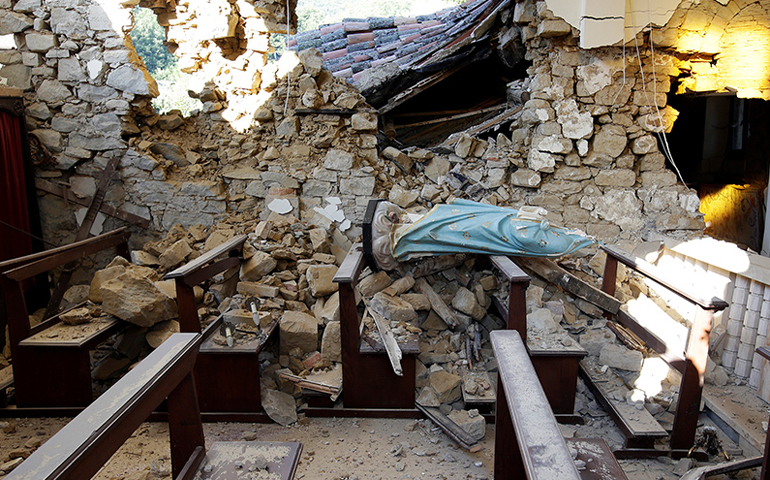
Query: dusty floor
[[334, 448]]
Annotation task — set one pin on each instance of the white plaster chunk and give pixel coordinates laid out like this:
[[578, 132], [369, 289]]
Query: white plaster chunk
[[108, 16], [595, 76], [689, 201], [280, 205], [541, 161], [582, 147], [574, 124], [94, 68], [552, 144], [7, 42], [621, 207]]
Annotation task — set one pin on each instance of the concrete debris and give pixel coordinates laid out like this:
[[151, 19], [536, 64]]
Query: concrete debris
[[470, 421]]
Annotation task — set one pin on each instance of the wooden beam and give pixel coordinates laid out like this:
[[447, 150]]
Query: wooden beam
[[49, 187], [454, 117], [388, 340], [550, 271]]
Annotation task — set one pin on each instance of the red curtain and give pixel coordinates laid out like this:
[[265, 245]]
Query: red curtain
[[14, 216]]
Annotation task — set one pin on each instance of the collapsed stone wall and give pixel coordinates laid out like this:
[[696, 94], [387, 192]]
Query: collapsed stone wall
[[584, 145]]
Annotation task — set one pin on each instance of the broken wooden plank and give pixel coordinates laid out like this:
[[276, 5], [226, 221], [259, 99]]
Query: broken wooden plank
[[638, 426], [325, 111], [436, 303], [49, 187], [458, 116], [83, 233], [550, 271], [727, 467], [450, 428], [388, 341]]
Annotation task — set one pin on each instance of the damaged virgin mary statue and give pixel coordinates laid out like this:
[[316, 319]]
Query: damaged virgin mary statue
[[463, 226]]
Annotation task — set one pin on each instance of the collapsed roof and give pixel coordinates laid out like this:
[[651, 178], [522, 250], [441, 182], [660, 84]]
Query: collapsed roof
[[394, 60]]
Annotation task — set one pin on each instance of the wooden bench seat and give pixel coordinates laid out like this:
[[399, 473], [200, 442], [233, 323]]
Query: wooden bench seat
[[639, 427], [366, 371], [80, 449], [555, 358], [528, 442], [227, 377], [686, 350], [52, 369]]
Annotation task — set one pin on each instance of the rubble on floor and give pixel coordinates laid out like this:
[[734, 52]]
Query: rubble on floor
[[286, 277]]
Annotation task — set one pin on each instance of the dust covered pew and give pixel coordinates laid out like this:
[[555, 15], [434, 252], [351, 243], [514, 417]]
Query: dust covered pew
[[52, 369], [528, 442], [80, 449], [227, 377], [686, 350]]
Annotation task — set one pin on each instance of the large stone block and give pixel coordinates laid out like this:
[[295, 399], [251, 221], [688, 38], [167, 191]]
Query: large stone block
[[611, 140], [279, 406], [617, 356], [259, 265], [338, 160], [393, 308], [446, 385], [136, 299], [320, 280], [331, 342], [466, 302], [298, 330]]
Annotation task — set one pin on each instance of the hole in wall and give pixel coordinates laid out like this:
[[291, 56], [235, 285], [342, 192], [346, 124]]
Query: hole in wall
[[718, 143], [149, 39]]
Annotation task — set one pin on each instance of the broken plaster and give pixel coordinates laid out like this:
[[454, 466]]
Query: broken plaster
[[607, 22]]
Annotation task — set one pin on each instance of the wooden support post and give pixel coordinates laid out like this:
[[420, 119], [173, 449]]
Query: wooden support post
[[691, 388], [508, 461], [188, 312], [184, 421]]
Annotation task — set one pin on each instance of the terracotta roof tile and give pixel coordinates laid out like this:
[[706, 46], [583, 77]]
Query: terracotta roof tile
[[335, 54], [331, 28], [404, 20], [348, 72], [356, 44], [356, 26], [360, 37]]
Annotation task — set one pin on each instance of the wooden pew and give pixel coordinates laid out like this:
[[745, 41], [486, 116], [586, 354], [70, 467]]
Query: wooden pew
[[49, 372], [227, 377], [557, 368], [689, 359], [80, 449], [368, 379], [528, 442]]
